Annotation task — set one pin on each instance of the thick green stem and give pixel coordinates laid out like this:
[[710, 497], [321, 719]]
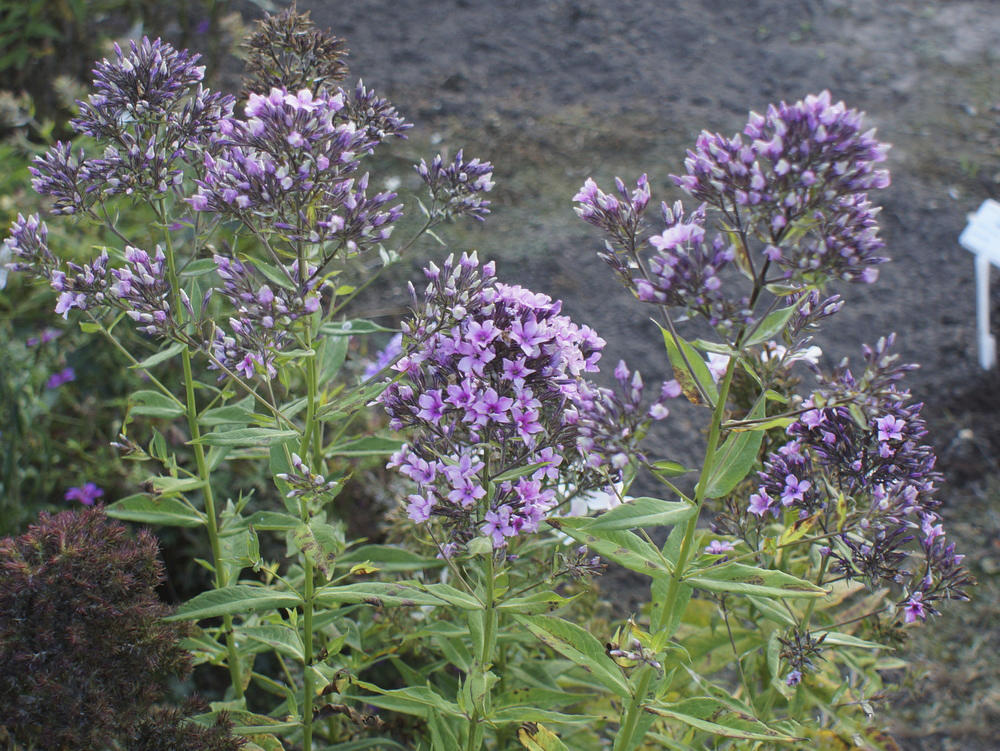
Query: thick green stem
[[485, 661], [308, 688], [204, 473], [665, 617]]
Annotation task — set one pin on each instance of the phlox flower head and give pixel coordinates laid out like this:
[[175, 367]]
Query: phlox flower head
[[494, 385]]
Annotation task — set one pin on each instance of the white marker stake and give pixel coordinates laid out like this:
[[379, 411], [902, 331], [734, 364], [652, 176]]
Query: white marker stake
[[981, 237]]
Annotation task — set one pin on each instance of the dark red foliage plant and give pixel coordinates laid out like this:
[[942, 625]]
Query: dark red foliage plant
[[84, 652]]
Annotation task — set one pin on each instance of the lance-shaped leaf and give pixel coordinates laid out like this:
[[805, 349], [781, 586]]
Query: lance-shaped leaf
[[719, 717], [247, 437], [155, 404], [772, 325], [751, 580], [735, 458], [168, 511], [643, 512], [621, 546], [279, 638], [690, 369], [420, 701], [580, 646], [236, 598], [390, 594]]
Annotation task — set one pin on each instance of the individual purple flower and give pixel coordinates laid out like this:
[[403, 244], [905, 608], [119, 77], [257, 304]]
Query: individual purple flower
[[913, 608], [87, 495], [794, 678], [760, 503], [58, 379]]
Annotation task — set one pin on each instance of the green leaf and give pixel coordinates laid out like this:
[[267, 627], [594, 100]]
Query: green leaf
[[735, 458], [88, 327], [751, 580], [670, 469], [442, 734], [577, 645], [385, 594], [321, 543], [332, 353], [624, 548], [718, 717], [240, 413], [273, 521], [367, 446], [772, 325], [236, 598], [166, 485], [155, 404], [689, 377], [643, 512], [347, 328], [198, 267], [170, 512], [838, 639], [536, 603], [247, 437], [388, 558], [162, 356], [420, 701], [274, 274], [279, 638], [513, 474]]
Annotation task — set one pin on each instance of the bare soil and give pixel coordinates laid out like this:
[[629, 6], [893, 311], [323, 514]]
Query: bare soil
[[553, 91]]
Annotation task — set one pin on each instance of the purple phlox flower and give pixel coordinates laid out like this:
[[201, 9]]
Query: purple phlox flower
[[419, 507], [498, 525], [87, 495], [58, 379], [794, 490], [794, 678], [914, 609], [890, 428], [717, 365], [760, 503], [718, 547], [431, 406]]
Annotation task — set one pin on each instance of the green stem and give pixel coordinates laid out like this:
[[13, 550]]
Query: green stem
[[665, 617], [485, 662], [204, 473], [307, 607]]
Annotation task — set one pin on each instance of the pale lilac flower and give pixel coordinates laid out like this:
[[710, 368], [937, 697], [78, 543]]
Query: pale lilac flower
[[718, 547]]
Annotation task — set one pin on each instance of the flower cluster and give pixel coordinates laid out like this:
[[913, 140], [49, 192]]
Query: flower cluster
[[151, 114], [867, 476], [791, 199], [807, 164], [284, 168], [494, 382], [261, 316], [458, 187]]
